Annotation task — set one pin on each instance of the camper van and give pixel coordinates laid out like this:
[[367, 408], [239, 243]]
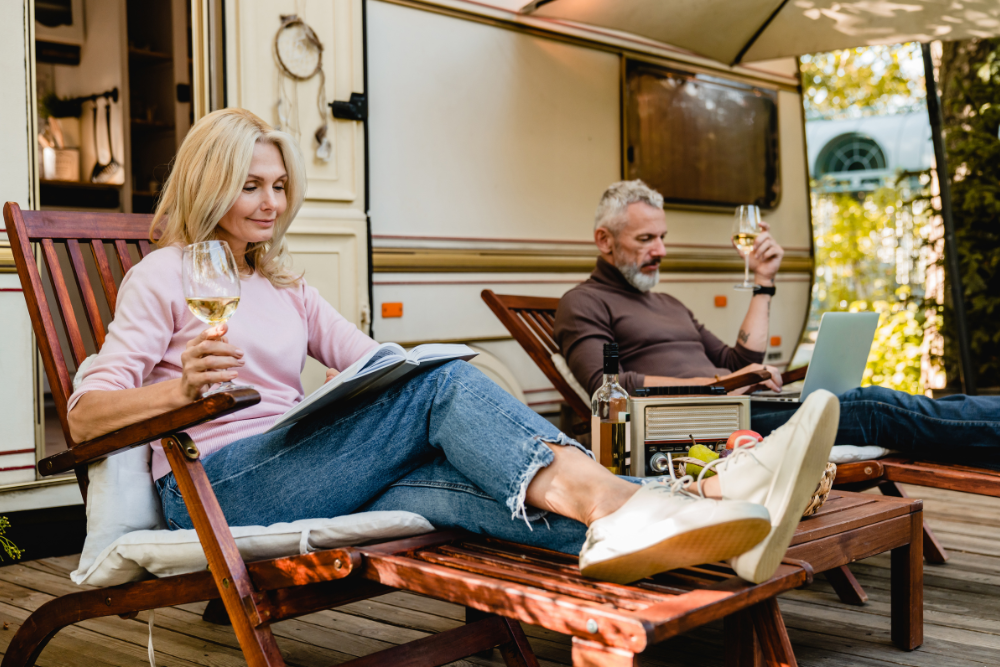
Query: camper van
[[462, 147]]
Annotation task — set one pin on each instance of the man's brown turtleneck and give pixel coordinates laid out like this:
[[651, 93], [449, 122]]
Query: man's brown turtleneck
[[656, 334]]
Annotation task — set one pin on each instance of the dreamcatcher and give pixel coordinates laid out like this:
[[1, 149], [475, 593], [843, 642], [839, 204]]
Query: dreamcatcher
[[299, 56]]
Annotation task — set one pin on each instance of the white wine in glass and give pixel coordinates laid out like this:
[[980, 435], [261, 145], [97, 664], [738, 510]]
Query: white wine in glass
[[746, 227], [211, 287]]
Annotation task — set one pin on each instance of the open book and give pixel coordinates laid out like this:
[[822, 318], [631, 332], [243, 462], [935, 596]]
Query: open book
[[373, 372]]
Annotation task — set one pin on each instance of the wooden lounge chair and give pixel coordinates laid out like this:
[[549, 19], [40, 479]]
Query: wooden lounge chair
[[499, 583], [530, 321]]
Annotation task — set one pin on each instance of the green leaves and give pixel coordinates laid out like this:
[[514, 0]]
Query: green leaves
[[863, 82], [970, 85]]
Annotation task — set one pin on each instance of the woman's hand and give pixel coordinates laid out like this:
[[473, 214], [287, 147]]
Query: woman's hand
[[208, 359], [330, 374]]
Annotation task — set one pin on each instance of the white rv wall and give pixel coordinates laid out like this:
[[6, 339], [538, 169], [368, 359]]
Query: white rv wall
[[16, 383], [482, 132], [485, 138]]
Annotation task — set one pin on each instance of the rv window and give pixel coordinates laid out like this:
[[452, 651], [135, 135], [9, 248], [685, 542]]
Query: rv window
[[701, 140]]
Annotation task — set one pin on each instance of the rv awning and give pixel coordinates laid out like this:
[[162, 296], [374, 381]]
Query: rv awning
[[734, 31]]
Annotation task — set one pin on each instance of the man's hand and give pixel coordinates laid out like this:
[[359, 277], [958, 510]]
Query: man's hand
[[774, 384], [766, 255], [330, 374], [208, 359]]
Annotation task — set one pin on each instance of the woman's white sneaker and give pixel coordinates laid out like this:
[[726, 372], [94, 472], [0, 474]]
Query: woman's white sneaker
[[781, 473], [661, 528]]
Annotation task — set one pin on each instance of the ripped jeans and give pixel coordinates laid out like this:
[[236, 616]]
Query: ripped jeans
[[446, 443]]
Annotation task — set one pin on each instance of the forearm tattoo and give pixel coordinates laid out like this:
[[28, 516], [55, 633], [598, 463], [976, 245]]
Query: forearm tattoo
[[743, 336]]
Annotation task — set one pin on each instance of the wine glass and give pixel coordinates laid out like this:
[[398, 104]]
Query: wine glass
[[211, 287], [746, 227]]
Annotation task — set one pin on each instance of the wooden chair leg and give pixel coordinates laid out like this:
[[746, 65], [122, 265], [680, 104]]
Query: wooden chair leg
[[591, 654], [846, 586], [933, 551], [742, 647], [773, 635], [445, 647], [247, 609], [907, 579], [517, 652], [43, 624]]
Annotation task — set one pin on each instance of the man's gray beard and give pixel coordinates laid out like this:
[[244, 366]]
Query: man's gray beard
[[637, 279]]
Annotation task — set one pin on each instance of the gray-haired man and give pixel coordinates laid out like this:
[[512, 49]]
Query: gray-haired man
[[659, 340], [661, 343]]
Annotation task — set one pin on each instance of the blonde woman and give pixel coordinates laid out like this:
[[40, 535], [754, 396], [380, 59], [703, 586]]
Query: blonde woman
[[446, 443]]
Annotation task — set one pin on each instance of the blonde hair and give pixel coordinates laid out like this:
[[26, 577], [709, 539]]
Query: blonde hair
[[208, 175]]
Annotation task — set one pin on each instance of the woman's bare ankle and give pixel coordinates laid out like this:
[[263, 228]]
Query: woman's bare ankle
[[610, 500]]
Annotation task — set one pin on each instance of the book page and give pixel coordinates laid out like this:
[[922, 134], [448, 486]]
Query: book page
[[430, 352]]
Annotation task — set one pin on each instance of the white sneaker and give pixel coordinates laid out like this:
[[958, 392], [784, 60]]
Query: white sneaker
[[662, 527], [781, 473]]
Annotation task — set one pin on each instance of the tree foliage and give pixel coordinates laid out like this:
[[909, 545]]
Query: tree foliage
[[970, 90], [859, 82], [870, 257]]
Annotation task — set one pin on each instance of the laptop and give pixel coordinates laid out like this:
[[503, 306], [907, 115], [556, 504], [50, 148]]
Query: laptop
[[839, 358]]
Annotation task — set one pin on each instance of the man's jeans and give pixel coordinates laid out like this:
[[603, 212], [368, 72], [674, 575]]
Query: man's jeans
[[896, 420], [447, 444]]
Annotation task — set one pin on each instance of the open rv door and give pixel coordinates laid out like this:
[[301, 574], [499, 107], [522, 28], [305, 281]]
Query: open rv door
[[19, 382]]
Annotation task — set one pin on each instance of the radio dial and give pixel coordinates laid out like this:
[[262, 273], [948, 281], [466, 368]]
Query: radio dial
[[659, 463]]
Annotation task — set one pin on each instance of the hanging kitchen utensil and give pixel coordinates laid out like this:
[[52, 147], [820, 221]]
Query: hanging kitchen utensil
[[109, 170], [98, 166], [299, 56]]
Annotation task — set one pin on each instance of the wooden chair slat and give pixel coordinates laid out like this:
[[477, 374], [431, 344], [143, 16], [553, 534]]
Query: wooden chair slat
[[59, 225], [508, 309], [536, 328], [144, 248], [104, 271], [63, 299], [86, 292], [42, 319], [544, 581], [539, 317], [124, 258]]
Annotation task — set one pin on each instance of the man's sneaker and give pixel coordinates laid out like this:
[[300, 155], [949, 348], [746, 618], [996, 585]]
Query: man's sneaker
[[662, 527], [781, 473]]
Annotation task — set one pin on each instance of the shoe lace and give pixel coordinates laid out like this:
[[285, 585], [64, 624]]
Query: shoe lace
[[720, 464], [676, 485]]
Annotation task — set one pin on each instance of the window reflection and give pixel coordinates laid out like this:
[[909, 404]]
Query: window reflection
[[701, 140]]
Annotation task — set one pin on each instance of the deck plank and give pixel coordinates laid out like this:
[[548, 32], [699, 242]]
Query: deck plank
[[962, 615]]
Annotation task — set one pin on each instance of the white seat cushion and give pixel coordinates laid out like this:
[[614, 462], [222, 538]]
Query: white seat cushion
[[853, 453], [560, 363], [127, 541], [163, 553]]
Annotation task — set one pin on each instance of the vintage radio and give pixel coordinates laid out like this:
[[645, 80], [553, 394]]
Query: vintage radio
[[665, 420]]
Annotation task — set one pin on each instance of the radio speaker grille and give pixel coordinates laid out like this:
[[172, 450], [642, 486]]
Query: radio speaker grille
[[666, 422]]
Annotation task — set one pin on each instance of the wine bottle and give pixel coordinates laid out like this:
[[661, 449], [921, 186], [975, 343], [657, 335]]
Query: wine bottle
[[609, 421]]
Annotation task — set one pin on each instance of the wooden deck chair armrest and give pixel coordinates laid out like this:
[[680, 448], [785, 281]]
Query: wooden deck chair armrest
[[738, 381], [794, 375], [862, 473], [153, 429]]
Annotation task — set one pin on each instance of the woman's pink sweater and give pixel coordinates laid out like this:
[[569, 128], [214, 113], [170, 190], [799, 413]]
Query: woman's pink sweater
[[275, 327]]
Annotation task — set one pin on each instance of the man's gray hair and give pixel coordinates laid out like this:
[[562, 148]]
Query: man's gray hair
[[612, 212]]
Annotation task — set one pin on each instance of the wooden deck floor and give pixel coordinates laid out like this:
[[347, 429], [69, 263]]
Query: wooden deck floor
[[962, 614]]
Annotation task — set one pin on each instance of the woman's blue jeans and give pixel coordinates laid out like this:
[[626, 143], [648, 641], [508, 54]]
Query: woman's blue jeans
[[915, 425], [447, 444]]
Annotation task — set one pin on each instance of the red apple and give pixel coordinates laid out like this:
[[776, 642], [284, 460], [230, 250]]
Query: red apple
[[743, 438]]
